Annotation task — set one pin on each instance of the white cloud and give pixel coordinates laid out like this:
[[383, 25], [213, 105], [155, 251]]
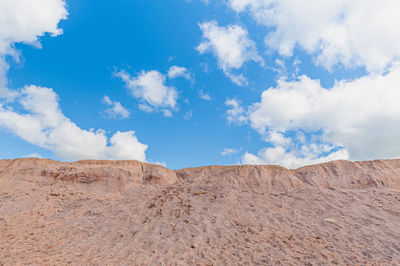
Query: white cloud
[[116, 110], [34, 155], [163, 164], [350, 33], [235, 113], [232, 47], [4, 91], [24, 21], [305, 123], [177, 71], [204, 95], [125, 146], [358, 119], [238, 79], [43, 124], [278, 138], [145, 108], [150, 88], [279, 156], [229, 151], [167, 113]]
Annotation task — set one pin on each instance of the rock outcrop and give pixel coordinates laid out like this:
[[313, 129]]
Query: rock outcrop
[[107, 176]]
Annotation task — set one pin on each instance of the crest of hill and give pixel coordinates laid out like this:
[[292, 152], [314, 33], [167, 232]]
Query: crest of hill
[[107, 176], [119, 176], [340, 174]]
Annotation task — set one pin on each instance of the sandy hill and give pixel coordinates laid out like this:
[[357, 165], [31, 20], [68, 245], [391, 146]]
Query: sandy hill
[[132, 213]]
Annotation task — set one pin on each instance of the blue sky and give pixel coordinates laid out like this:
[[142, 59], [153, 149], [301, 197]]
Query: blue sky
[[258, 82]]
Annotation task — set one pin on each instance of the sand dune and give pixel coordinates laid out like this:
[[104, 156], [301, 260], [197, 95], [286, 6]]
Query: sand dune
[[132, 213]]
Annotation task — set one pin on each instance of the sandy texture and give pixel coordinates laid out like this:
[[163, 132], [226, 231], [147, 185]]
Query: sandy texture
[[132, 213]]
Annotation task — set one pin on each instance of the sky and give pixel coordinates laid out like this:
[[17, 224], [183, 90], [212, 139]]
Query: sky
[[190, 83]]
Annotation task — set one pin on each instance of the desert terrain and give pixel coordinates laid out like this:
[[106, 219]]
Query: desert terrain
[[133, 213]]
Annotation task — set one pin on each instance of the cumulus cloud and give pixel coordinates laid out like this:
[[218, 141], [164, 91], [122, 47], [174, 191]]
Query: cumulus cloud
[[24, 21], [150, 88], [279, 156], [301, 121], [42, 123], [177, 71], [355, 33], [357, 119], [116, 110], [232, 47]]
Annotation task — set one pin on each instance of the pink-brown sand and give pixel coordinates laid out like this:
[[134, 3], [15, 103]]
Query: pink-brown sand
[[132, 213]]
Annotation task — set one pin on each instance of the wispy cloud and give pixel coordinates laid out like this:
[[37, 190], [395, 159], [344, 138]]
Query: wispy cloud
[[116, 110], [204, 95], [229, 151], [177, 71]]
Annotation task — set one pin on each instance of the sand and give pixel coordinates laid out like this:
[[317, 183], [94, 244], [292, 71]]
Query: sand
[[132, 213]]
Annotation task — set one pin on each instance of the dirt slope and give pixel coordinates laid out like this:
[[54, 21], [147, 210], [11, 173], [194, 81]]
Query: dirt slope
[[128, 213]]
